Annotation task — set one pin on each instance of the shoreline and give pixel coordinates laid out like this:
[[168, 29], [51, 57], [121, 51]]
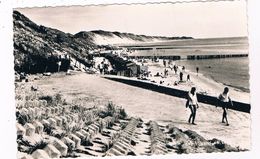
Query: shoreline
[[245, 89], [237, 93], [204, 84]]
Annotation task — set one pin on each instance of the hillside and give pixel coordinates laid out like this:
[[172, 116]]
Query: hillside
[[37, 48], [101, 37]]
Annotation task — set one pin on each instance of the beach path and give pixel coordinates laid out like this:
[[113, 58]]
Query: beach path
[[150, 105]]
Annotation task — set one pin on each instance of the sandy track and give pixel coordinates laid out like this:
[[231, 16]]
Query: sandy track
[[150, 105]]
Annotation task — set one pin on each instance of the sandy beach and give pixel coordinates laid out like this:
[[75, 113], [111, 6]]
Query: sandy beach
[[203, 84], [149, 105]]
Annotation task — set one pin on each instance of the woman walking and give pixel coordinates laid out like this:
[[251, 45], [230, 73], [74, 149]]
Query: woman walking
[[225, 101], [193, 105]]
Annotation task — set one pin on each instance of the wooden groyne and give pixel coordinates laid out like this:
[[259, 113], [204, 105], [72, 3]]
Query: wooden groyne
[[191, 57], [173, 57], [197, 57], [211, 100]]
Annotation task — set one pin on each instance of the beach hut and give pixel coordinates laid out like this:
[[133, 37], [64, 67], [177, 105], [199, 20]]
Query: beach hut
[[133, 70]]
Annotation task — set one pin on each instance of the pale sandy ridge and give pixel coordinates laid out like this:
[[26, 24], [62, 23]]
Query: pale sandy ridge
[[115, 40]]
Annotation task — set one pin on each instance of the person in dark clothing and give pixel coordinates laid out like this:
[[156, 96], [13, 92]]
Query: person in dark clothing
[[197, 69], [188, 77], [181, 76], [164, 62]]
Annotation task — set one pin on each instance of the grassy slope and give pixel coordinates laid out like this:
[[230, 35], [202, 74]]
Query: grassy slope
[[35, 45]]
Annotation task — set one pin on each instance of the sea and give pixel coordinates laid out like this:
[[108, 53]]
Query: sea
[[232, 72]]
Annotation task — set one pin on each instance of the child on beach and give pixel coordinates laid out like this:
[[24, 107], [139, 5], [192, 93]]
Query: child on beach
[[225, 101], [193, 105]]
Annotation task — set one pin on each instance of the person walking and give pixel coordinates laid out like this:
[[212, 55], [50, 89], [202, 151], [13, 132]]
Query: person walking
[[165, 73], [225, 101], [101, 68], [197, 69], [59, 64], [192, 103], [175, 69], [164, 62], [188, 77], [181, 76]]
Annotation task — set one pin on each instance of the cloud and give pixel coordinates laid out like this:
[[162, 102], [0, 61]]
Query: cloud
[[211, 19]]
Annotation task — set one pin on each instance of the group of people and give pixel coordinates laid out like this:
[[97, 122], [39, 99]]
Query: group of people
[[103, 67], [175, 68], [192, 104]]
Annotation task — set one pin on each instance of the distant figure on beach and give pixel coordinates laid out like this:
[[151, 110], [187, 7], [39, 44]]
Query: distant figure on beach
[[98, 66], [193, 105], [164, 62], [183, 68], [157, 74], [170, 67], [170, 62], [197, 69], [105, 68], [181, 76], [175, 69], [161, 75], [188, 77], [225, 103], [165, 72], [101, 67], [59, 64]]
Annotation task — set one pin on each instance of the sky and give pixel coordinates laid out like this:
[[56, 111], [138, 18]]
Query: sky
[[197, 19]]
